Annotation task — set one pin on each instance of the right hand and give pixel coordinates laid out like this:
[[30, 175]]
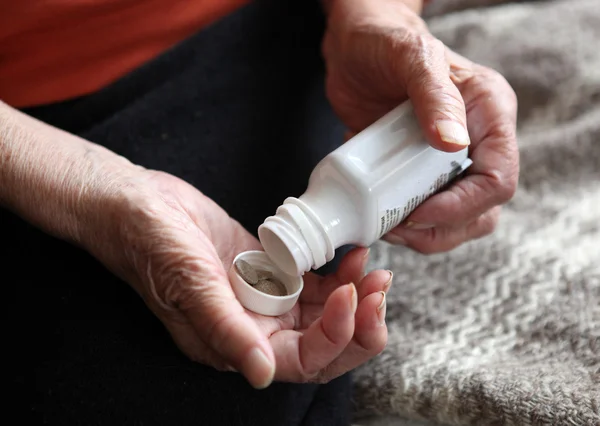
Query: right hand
[[381, 53], [174, 246]]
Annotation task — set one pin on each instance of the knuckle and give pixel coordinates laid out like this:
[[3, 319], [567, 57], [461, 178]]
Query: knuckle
[[436, 46], [508, 90], [488, 225], [508, 188], [428, 78], [492, 83], [503, 177], [418, 50], [483, 89], [428, 243], [440, 240], [503, 185], [426, 52], [499, 80]]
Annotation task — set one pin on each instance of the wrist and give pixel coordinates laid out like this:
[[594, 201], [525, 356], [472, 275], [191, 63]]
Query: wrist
[[55, 180]]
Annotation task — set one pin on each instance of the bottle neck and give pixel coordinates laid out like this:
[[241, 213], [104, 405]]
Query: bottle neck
[[295, 239]]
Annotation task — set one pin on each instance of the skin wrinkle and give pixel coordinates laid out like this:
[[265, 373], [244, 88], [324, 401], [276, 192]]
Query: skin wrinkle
[[154, 292], [8, 135], [308, 372], [503, 186], [184, 291], [488, 221], [368, 37], [147, 251], [178, 298], [429, 63], [424, 54], [61, 185], [304, 371], [358, 349], [141, 225], [167, 222], [176, 268], [181, 272], [326, 333], [66, 185], [479, 227], [287, 321], [453, 110], [297, 366]]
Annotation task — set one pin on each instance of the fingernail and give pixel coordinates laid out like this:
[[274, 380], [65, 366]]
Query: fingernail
[[353, 298], [381, 309], [388, 284], [367, 252], [365, 261], [453, 132], [259, 370], [418, 226]]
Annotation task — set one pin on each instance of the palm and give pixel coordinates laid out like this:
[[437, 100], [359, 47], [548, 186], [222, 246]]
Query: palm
[[328, 332]]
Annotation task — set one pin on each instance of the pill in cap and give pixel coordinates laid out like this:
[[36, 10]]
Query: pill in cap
[[255, 300]]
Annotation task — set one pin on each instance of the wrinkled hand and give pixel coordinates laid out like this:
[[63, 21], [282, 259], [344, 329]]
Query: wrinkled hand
[[174, 245], [378, 54]]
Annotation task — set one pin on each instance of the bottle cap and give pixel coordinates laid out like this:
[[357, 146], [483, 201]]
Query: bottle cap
[[256, 300]]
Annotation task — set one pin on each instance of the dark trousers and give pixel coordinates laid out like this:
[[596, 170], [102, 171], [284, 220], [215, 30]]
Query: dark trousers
[[239, 111]]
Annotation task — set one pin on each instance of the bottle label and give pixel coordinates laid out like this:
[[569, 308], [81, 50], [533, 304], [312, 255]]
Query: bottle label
[[391, 217]]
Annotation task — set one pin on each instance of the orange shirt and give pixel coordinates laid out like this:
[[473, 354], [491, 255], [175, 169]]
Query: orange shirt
[[53, 50]]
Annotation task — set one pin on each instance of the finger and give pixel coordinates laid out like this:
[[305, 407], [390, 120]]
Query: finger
[[221, 322], [374, 282], [187, 341], [493, 177], [437, 102], [351, 270], [370, 338], [300, 356], [441, 239]]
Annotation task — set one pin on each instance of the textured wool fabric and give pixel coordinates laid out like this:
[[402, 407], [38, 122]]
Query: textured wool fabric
[[506, 330]]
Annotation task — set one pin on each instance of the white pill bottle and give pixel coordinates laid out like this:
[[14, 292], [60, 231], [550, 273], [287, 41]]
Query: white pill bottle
[[359, 192]]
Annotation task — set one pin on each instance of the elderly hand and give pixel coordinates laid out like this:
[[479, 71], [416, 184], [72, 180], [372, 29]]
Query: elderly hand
[[174, 246], [380, 53]]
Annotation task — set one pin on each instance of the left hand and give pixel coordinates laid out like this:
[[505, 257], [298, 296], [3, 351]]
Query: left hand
[[380, 53]]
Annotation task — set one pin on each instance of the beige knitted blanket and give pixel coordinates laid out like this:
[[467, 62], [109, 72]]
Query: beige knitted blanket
[[506, 330]]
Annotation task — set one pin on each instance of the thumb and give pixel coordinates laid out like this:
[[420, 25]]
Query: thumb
[[437, 102], [222, 323]]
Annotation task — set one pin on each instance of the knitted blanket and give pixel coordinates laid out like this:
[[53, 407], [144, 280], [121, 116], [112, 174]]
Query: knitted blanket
[[506, 330]]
